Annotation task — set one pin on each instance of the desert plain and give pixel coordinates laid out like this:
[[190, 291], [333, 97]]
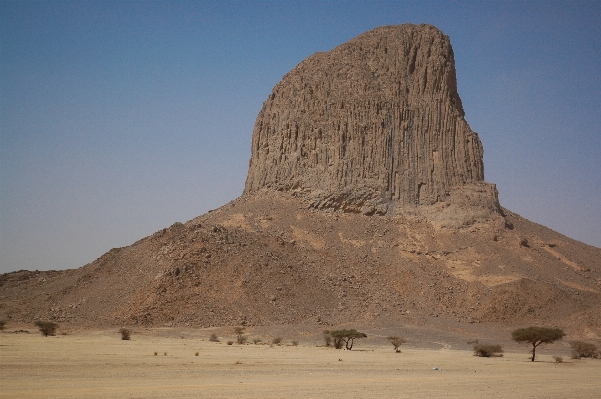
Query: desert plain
[[162, 363]]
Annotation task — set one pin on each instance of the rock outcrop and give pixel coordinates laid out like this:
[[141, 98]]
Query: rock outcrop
[[373, 126]]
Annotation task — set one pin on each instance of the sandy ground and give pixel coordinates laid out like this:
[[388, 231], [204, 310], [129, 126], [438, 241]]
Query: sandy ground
[[97, 364]]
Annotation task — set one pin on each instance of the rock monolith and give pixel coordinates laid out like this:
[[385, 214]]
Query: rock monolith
[[373, 126]]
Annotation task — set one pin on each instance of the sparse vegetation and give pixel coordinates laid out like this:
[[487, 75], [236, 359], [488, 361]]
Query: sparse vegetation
[[582, 349], [396, 342], [156, 353], [558, 359], [294, 343], [230, 342], [240, 339], [213, 338], [164, 353], [276, 341], [256, 341], [125, 334], [2, 325], [196, 354], [327, 338], [537, 336], [46, 327], [488, 350], [347, 337]]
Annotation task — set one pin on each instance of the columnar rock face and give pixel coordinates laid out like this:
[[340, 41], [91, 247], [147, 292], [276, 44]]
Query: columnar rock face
[[373, 126]]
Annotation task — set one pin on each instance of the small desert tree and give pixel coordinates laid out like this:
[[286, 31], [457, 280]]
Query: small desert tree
[[396, 342], [46, 327], [346, 336], [537, 336]]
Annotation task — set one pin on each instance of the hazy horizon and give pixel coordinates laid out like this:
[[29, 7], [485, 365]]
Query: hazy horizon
[[118, 119]]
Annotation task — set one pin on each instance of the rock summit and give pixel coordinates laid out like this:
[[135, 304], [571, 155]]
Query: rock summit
[[373, 126]]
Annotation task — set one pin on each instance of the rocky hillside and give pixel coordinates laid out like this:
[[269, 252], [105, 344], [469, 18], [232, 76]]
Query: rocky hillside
[[268, 259]]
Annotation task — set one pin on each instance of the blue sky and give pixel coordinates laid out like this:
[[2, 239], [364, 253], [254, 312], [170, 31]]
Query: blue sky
[[118, 119]]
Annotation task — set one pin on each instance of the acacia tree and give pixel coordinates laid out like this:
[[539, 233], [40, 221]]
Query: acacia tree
[[536, 336], [346, 336]]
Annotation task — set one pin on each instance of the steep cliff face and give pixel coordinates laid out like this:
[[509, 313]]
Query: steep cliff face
[[373, 126]]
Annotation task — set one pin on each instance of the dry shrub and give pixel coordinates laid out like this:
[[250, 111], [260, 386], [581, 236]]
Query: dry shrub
[[196, 354], [125, 334], [241, 339], [294, 343], [156, 353], [2, 325], [558, 359], [47, 327], [256, 341], [396, 342], [327, 338], [582, 349], [230, 342], [276, 341], [488, 350], [213, 338]]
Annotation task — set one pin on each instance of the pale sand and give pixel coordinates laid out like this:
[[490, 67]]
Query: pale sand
[[97, 364]]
